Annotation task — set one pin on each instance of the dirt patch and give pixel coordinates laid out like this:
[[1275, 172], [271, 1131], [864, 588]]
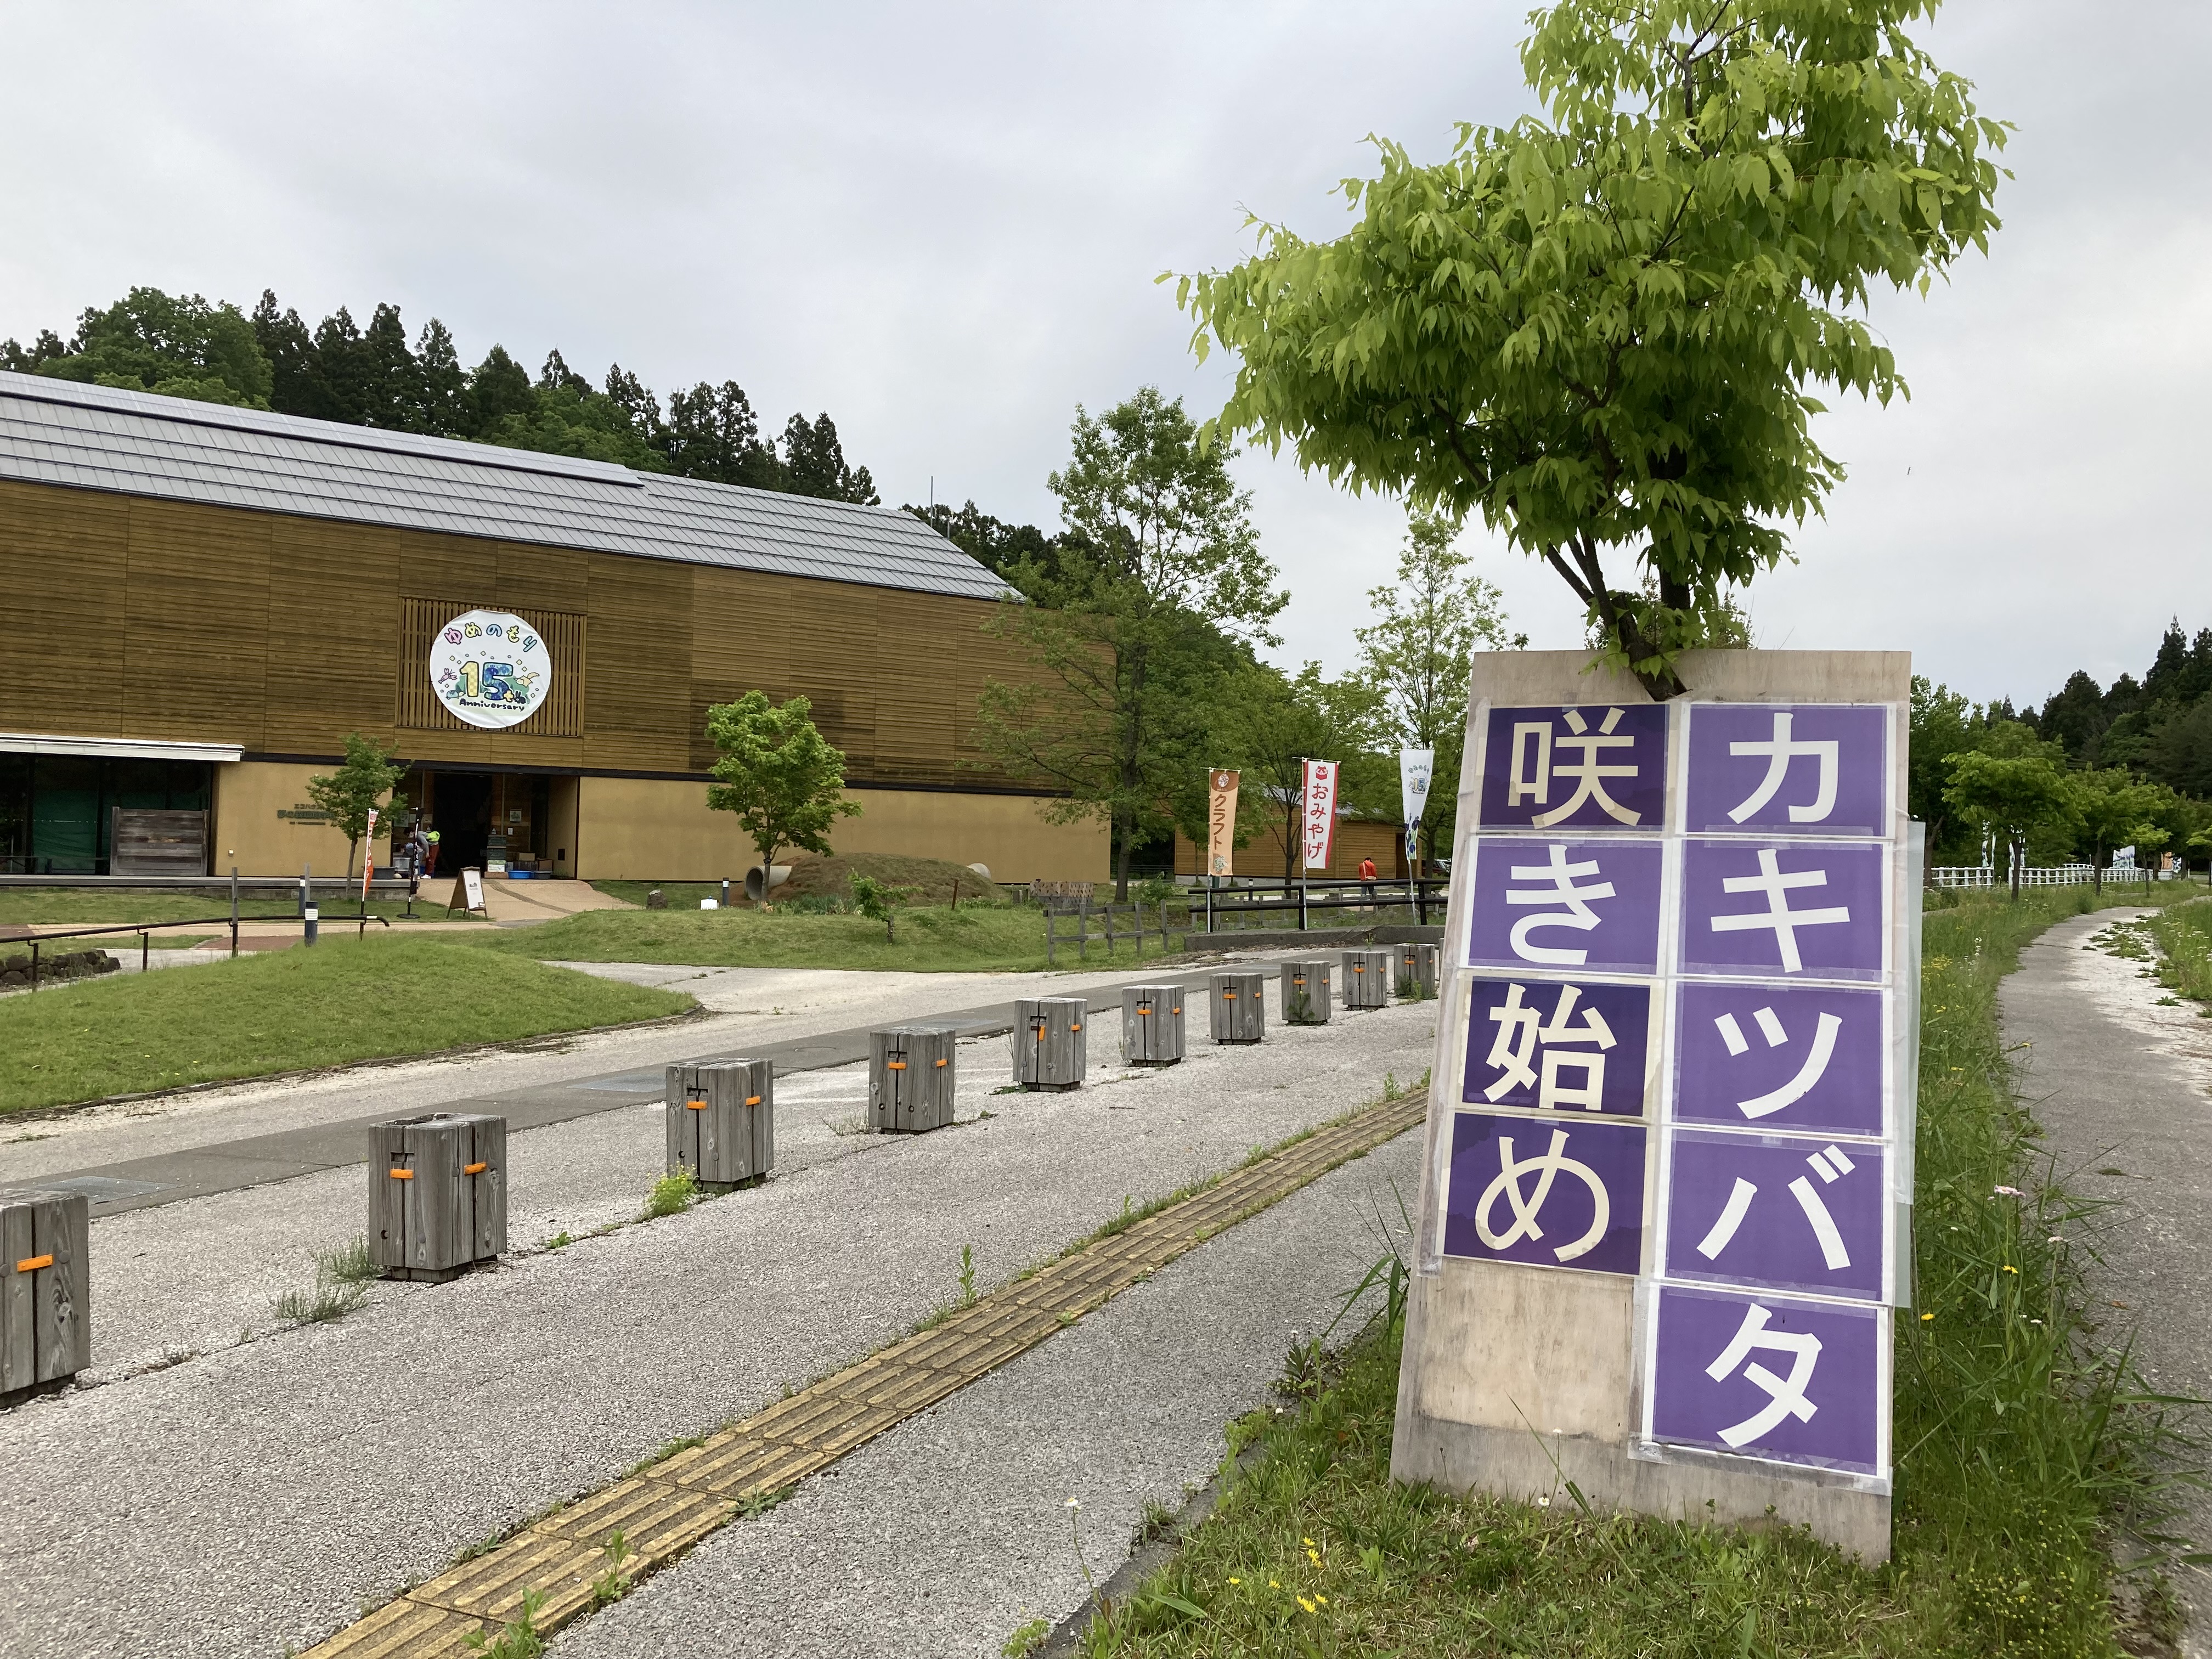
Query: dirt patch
[[932, 880]]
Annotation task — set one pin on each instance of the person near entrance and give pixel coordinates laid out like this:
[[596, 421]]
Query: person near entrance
[[1367, 880]]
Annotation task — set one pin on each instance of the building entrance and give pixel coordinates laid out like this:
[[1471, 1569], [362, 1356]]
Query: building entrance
[[525, 820]]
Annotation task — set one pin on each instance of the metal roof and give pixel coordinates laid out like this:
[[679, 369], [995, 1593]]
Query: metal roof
[[134, 443]]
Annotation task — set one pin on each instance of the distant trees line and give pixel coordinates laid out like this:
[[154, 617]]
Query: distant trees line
[[2095, 768], [186, 346]]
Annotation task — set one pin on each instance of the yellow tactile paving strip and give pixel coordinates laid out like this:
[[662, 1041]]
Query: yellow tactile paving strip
[[671, 1506]]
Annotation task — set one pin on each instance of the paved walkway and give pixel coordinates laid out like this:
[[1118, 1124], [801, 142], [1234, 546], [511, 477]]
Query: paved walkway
[[2122, 1088], [262, 1493]]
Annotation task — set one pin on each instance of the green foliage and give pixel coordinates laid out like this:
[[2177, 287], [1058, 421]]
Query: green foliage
[[1026, 1639], [341, 1285], [975, 938], [1268, 724], [671, 1194], [782, 777], [2183, 932], [518, 1639], [178, 346], [1419, 651], [2015, 795], [2112, 809], [354, 790], [876, 901], [1146, 602], [967, 1275], [1598, 329]]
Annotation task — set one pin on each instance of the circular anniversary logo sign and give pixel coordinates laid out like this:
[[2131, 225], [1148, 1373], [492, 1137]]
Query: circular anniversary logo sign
[[490, 668]]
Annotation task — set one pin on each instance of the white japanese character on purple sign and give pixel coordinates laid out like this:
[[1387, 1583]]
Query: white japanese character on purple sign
[[1815, 909], [1768, 1376], [1565, 904], [1594, 768], [1804, 769]]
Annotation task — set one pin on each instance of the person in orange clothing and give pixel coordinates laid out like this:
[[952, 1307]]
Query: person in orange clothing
[[1367, 880]]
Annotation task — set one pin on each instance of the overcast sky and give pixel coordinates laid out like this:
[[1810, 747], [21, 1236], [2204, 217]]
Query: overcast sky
[[941, 224]]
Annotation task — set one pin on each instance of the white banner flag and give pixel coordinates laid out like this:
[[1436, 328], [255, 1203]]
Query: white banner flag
[[1415, 768], [1320, 815]]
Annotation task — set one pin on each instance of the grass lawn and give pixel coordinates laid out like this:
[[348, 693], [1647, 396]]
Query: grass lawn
[[346, 999], [2183, 932], [975, 939], [2022, 1452]]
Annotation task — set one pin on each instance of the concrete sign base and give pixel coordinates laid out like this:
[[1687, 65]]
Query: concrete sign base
[[1657, 1260]]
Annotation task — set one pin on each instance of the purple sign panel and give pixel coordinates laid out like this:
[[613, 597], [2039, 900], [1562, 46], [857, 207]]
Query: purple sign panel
[[1780, 1057], [1552, 1193], [1749, 909], [1565, 904], [1769, 1377], [1802, 769], [1557, 1046], [1590, 767], [1776, 1210]]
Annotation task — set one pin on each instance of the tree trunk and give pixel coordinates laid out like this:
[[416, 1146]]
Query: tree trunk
[[1125, 834]]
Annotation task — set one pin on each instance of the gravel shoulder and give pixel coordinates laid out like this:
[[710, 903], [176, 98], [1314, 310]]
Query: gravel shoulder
[[2123, 1087], [261, 1493]]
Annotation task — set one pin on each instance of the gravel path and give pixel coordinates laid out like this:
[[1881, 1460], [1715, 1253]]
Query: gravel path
[[2122, 1088], [952, 1531], [260, 1494]]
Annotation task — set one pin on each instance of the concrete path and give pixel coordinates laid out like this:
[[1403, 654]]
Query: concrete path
[[260, 1494], [2122, 1088]]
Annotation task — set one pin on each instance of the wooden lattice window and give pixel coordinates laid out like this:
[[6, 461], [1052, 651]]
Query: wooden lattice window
[[419, 710]]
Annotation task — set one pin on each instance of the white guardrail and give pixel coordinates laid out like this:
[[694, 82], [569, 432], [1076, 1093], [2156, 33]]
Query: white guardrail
[[2033, 875]]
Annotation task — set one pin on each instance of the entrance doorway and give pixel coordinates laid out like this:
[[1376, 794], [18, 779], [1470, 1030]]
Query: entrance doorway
[[525, 820]]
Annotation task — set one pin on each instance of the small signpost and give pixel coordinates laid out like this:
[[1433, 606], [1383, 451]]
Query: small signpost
[[1666, 1200], [468, 893]]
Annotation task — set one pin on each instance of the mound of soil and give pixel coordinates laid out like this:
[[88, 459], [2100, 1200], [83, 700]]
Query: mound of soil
[[932, 880]]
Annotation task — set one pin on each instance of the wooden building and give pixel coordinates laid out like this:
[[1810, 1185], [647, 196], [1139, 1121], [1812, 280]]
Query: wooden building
[[202, 602]]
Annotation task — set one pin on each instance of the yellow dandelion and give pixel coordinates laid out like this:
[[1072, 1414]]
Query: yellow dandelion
[[1271, 1585], [2009, 1268], [1925, 1318], [1319, 1597], [1307, 1542], [1236, 1581], [1306, 1605]]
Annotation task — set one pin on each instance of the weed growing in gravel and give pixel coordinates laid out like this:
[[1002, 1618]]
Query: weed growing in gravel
[[518, 1640], [667, 1451], [341, 1285], [753, 1504], [967, 1275], [671, 1193], [612, 1584], [1026, 1639], [1158, 1522]]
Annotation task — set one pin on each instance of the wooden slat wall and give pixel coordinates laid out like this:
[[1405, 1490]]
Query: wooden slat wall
[[158, 619], [198, 661], [61, 664]]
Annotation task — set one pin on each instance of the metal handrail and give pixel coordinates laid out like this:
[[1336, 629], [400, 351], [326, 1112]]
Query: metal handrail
[[145, 930]]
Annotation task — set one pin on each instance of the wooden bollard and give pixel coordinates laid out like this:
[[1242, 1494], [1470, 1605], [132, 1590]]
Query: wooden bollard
[[1240, 1006], [1049, 1049], [721, 1122], [1418, 968], [911, 1079], [437, 1194], [1305, 991], [1366, 979], [46, 1290], [1152, 1024]]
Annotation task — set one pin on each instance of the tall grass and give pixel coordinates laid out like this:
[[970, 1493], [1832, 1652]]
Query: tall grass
[[2183, 932], [2024, 1453]]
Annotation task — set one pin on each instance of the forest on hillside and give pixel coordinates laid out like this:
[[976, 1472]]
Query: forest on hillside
[[2153, 736], [186, 346]]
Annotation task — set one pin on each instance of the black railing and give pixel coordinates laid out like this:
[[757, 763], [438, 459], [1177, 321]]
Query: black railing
[[1293, 903]]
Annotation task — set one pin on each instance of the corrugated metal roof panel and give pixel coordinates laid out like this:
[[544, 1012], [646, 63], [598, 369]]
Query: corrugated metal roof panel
[[60, 432]]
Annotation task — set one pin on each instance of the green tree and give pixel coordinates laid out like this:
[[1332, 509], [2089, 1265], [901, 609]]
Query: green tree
[[2015, 795], [181, 346], [2113, 808], [782, 778], [877, 901], [1418, 655], [354, 790], [1599, 329], [1157, 589], [713, 433], [1943, 724], [814, 463], [1268, 724]]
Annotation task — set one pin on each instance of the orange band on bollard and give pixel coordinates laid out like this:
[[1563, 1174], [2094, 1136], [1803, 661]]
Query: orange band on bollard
[[31, 1264], [474, 1169], [1175, 1011], [1229, 996], [752, 1100], [1075, 1028], [894, 1065], [403, 1175], [695, 1105], [1144, 1007], [941, 1062]]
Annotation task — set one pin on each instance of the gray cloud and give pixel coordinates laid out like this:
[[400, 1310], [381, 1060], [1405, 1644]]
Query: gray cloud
[[942, 224]]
